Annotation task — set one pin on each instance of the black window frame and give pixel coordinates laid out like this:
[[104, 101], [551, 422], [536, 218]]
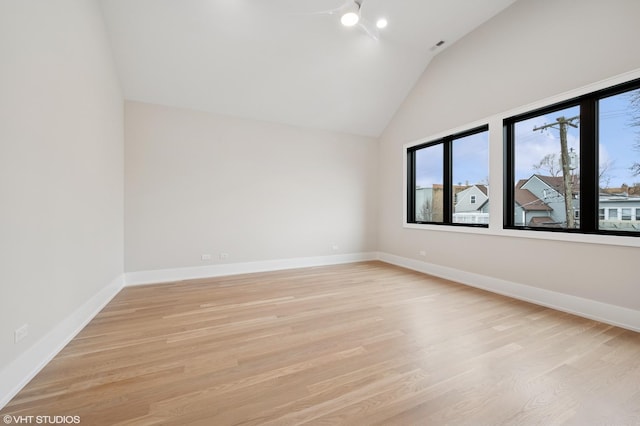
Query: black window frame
[[447, 182], [589, 164]]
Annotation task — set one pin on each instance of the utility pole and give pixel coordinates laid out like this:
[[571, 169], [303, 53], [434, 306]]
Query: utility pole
[[561, 125]]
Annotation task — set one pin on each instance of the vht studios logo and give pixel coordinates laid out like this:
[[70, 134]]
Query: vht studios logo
[[41, 420]]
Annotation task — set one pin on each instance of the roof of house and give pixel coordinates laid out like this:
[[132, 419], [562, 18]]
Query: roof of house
[[543, 220], [557, 183], [529, 202], [624, 190]]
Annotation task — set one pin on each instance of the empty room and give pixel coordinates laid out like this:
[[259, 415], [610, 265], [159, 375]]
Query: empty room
[[284, 212]]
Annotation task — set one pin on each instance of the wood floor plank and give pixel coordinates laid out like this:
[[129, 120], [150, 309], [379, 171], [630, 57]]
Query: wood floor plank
[[358, 344]]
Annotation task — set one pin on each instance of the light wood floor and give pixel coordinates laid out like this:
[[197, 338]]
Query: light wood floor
[[358, 344]]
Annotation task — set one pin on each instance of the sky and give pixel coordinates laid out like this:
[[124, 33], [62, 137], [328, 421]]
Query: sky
[[532, 145], [617, 139], [471, 157], [470, 161]]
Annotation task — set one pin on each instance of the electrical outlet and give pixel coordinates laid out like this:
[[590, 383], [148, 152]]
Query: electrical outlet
[[224, 256], [335, 247], [423, 253], [205, 257], [21, 332]]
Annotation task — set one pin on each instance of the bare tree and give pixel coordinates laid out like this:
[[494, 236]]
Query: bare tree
[[549, 165], [634, 100], [425, 211], [604, 177]]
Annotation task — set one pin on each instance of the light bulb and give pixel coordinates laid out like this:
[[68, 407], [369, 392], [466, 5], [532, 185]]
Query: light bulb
[[382, 23], [349, 19]]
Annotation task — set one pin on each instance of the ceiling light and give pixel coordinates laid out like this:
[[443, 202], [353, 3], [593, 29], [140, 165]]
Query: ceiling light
[[349, 19], [351, 15], [382, 23]]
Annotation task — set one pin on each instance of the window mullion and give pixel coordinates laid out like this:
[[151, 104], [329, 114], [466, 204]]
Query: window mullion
[[411, 186], [509, 178], [447, 181], [589, 169]]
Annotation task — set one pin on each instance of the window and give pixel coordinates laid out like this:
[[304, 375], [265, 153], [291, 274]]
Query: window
[[428, 191], [575, 166], [546, 174], [619, 158], [448, 180]]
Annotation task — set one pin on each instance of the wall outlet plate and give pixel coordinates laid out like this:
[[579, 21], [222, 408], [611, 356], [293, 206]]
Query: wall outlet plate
[[21, 332]]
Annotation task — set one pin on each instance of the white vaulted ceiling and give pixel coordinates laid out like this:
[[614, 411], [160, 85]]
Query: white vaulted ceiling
[[281, 60]]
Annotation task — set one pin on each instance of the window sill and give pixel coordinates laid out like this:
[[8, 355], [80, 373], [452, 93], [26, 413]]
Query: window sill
[[611, 240]]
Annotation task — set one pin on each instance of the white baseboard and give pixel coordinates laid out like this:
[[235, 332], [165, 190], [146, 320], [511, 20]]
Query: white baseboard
[[587, 308], [210, 271], [17, 374]]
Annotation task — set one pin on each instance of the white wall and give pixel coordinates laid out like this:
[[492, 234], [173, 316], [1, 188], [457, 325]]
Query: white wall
[[533, 50], [199, 183], [61, 168]]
